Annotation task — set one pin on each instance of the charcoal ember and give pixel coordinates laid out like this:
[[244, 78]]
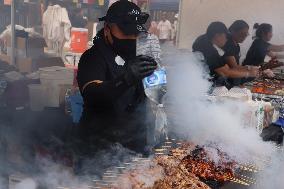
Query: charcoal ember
[[176, 175], [187, 166], [213, 184], [141, 176], [199, 163]]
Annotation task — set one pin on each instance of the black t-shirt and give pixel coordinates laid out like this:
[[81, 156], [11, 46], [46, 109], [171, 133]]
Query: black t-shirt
[[257, 53], [210, 53], [232, 49], [78, 21], [112, 109]]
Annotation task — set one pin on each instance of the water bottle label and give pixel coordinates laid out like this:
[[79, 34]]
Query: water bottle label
[[157, 78]]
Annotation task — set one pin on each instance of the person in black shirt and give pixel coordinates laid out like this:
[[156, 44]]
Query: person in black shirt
[[261, 47], [210, 45], [77, 19], [115, 106], [239, 31]]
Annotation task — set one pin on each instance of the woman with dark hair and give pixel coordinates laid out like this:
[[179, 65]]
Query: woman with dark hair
[[210, 45], [239, 31], [261, 47]]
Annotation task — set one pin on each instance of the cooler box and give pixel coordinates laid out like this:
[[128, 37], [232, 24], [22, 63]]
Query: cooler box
[[52, 78], [79, 40]]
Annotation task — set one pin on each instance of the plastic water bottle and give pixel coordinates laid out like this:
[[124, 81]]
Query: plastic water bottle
[[155, 89], [155, 85]]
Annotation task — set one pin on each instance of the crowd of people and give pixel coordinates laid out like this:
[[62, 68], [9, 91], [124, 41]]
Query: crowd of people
[[221, 50], [164, 29], [58, 21]]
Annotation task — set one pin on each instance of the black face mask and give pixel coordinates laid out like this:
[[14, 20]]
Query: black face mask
[[125, 48]]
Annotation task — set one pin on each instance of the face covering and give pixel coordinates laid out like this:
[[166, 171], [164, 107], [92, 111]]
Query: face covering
[[125, 48]]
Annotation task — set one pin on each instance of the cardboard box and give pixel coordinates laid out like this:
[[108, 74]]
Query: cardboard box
[[22, 53], [28, 65], [5, 58], [23, 43], [49, 61], [24, 65], [27, 47]]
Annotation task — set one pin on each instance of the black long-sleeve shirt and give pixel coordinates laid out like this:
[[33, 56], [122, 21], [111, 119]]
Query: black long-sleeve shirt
[[257, 52], [110, 104], [232, 48]]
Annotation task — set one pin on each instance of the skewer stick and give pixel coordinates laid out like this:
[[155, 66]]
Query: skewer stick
[[246, 177], [160, 150], [109, 171], [120, 167], [168, 142], [166, 147], [96, 180], [110, 176], [108, 182], [244, 168], [160, 154], [128, 164], [249, 166], [246, 180], [238, 181], [93, 187]]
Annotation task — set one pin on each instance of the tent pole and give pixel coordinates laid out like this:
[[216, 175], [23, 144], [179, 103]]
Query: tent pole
[[13, 32]]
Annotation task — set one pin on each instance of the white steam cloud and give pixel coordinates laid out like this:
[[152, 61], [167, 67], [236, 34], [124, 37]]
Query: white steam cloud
[[193, 117], [205, 122], [272, 176]]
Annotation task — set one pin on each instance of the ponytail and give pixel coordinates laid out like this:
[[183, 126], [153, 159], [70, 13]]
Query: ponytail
[[263, 29], [256, 26]]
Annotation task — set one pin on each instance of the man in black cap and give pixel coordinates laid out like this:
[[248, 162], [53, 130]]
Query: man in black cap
[[114, 99]]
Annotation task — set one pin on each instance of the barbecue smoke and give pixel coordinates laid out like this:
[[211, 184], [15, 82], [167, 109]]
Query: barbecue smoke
[[272, 175], [192, 117], [44, 172]]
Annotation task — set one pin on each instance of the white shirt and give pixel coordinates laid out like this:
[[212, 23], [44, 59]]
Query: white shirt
[[56, 24], [165, 29]]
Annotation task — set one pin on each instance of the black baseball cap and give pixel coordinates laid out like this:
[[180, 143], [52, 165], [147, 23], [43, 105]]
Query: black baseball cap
[[128, 16]]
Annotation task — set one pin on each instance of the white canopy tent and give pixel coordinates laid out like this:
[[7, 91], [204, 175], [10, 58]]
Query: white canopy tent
[[195, 16]]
